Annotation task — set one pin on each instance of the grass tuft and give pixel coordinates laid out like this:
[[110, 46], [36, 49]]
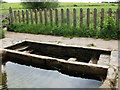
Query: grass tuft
[[1, 33]]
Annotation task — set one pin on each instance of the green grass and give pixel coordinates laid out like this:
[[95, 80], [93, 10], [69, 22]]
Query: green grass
[[106, 6], [18, 6], [91, 45], [1, 33], [109, 30], [83, 4], [63, 29]]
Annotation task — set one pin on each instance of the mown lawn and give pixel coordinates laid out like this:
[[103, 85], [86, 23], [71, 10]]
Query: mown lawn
[[18, 6]]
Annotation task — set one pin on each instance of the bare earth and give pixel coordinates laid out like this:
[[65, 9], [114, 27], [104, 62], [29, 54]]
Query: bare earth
[[12, 38]]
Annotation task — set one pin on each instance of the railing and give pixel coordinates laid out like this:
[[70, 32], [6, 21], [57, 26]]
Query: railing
[[58, 17]]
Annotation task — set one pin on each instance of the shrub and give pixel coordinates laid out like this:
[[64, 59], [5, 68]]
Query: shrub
[[74, 5], [110, 29], [39, 5]]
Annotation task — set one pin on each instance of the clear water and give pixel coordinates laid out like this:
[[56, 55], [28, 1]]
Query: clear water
[[22, 76]]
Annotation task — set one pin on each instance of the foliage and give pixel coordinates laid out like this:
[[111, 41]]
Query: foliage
[[110, 29], [91, 45], [39, 5], [1, 33], [5, 21]]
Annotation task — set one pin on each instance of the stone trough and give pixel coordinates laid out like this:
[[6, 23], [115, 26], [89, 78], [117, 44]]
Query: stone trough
[[78, 61]]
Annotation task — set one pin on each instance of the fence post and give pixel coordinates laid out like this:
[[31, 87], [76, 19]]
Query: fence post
[[81, 17], [51, 17], [88, 17], [15, 16], [110, 12], [36, 16], [11, 16], [23, 17], [27, 16], [40, 12], [102, 17], [45, 16], [56, 16], [31, 16], [62, 16], [68, 17], [118, 17], [19, 16], [95, 18], [74, 17]]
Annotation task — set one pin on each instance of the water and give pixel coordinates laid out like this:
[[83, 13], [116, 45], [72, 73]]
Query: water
[[22, 76]]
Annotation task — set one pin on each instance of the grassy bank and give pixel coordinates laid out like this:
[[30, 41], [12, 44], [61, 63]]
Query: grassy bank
[[109, 31]]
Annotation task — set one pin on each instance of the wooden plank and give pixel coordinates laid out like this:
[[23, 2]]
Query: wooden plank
[[19, 18], [40, 13], [27, 17], [118, 17], [102, 17], [81, 17], [95, 18], [80, 67], [31, 16], [74, 17], [11, 15], [45, 16], [36, 17], [88, 17], [62, 16], [51, 17], [56, 16], [23, 16], [68, 17], [15, 16], [110, 12]]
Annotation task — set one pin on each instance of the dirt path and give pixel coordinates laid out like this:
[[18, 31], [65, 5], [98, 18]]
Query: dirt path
[[12, 37]]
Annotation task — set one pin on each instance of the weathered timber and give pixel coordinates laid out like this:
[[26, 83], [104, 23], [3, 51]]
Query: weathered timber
[[79, 67]]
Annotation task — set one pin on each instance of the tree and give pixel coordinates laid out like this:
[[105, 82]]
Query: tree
[[31, 4], [1, 1]]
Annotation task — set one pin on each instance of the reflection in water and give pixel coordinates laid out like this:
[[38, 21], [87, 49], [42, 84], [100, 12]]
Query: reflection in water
[[22, 76]]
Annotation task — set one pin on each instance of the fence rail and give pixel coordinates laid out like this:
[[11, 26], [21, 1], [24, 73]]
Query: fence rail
[[58, 17]]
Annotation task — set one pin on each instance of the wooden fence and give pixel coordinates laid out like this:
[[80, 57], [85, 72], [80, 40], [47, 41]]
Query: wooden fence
[[38, 16]]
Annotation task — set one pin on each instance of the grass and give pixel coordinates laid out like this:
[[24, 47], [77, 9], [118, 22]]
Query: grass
[[91, 45], [18, 6], [1, 33], [106, 6], [109, 30]]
